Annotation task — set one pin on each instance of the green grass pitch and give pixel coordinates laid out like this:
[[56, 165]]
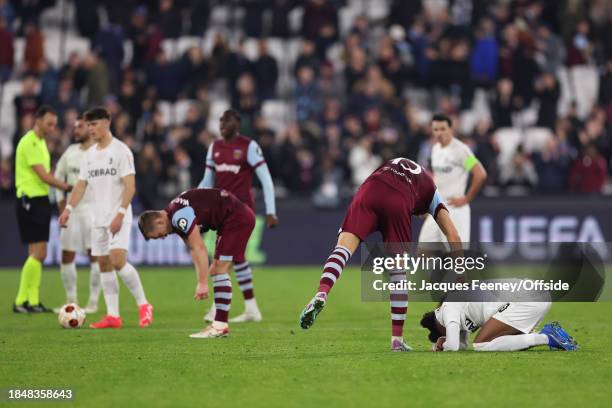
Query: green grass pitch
[[343, 360]]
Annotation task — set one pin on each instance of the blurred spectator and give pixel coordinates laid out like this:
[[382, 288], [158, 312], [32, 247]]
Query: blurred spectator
[[552, 165], [26, 103], [504, 104], [169, 19], [362, 161], [200, 11], [580, 49], [550, 50], [108, 44], [34, 48], [520, 171], [307, 95], [307, 56], [548, 93], [87, 18], [605, 90], [279, 25], [246, 101], [7, 51], [74, 71], [194, 69], [331, 84], [7, 14], [484, 56], [49, 82], [97, 82], [320, 24], [148, 174], [164, 76], [266, 72], [253, 17], [589, 172], [327, 194]]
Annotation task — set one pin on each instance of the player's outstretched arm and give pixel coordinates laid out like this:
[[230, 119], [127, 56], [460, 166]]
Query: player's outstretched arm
[[48, 178], [199, 256], [452, 342]]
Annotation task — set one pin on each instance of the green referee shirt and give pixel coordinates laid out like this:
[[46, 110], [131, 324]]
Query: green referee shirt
[[31, 150]]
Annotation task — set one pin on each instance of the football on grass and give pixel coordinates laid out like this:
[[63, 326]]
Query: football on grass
[[71, 316]]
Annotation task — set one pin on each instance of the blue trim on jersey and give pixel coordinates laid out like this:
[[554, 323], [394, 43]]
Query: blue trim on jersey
[[183, 220], [436, 204]]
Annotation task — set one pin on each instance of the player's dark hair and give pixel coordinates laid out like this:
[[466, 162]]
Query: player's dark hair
[[428, 321], [233, 113], [97, 114], [146, 222], [43, 110], [439, 117]]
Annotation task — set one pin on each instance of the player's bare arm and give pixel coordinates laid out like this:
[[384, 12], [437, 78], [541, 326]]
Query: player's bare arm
[[49, 178], [447, 226], [199, 256], [479, 177], [129, 183], [75, 197]]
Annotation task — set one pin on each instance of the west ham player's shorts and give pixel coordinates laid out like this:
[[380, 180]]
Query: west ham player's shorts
[[102, 241], [461, 216], [233, 237], [523, 316], [379, 207], [76, 237]]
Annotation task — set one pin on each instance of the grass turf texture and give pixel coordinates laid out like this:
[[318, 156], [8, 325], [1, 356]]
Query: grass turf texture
[[343, 360]]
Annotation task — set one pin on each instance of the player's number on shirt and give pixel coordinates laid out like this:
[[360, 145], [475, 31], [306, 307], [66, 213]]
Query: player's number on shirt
[[411, 166]]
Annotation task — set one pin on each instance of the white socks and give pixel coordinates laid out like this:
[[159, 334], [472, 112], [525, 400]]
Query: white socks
[[250, 306], [69, 277], [94, 284], [513, 342], [110, 289], [130, 277]]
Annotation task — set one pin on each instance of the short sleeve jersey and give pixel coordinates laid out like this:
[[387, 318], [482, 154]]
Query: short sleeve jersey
[[31, 150]]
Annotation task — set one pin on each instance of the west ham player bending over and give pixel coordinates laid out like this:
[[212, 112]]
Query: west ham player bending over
[[385, 202], [230, 164], [189, 215], [504, 326]]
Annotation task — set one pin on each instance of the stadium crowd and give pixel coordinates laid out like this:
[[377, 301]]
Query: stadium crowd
[[353, 95]]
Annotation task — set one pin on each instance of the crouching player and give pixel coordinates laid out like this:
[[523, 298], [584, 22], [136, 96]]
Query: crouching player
[[501, 326], [189, 215], [385, 202]]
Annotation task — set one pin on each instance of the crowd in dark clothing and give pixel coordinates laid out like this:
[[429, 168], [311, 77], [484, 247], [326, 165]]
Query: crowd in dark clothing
[[357, 96]]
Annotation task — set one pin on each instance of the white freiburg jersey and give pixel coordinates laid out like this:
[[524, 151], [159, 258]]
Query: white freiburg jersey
[[470, 315], [103, 170], [68, 169], [451, 166]]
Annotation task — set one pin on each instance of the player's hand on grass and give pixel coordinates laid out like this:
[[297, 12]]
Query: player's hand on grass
[[201, 292], [63, 219], [458, 201], [271, 221], [439, 345], [115, 225]]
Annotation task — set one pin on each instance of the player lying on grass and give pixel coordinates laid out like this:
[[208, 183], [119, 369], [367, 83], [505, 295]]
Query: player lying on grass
[[385, 202], [501, 326], [189, 215]]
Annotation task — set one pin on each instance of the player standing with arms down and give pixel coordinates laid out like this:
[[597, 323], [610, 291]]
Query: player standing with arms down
[[32, 181], [385, 202], [77, 234], [452, 162], [108, 168], [230, 164], [189, 215]]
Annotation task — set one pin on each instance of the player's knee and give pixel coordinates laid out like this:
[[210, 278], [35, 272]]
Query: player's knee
[[219, 267], [104, 263], [39, 252], [68, 257], [118, 259]]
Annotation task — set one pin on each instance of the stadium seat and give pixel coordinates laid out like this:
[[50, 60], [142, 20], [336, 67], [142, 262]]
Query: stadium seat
[[167, 111], [535, 138], [250, 48], [586, 84], [180, 110], [185, 43], [508, 139], [170, 48], [277, 113], [217, 107]]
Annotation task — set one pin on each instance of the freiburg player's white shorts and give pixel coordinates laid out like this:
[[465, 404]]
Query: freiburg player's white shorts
[[102, 241], [523, 316], [461, 216], [76, 237]]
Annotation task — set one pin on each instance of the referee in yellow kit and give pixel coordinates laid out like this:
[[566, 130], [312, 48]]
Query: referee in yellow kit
[[32, 181]]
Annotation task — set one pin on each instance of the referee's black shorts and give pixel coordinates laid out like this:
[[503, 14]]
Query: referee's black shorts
[[33, 217]]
